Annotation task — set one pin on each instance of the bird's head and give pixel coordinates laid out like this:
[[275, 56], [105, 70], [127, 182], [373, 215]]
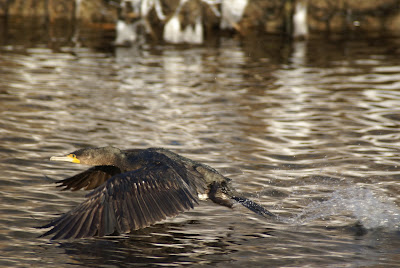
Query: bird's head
[[92, 156]]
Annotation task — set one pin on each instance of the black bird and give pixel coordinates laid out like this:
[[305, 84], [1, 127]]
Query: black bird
[[136, 188]]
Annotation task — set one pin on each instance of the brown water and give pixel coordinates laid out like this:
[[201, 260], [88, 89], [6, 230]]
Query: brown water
[[311, 130]]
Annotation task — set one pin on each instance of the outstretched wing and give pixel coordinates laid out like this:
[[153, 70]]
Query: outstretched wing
[[127, 201], [89, 179]]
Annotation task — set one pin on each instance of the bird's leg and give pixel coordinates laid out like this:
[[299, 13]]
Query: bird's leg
[[217, 195], [226, 191], [253, 206]]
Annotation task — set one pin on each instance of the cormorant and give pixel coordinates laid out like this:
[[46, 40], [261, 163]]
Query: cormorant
[[137, 188]]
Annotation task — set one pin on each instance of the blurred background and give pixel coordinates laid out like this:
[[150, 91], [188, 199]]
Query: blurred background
[[298, 102]]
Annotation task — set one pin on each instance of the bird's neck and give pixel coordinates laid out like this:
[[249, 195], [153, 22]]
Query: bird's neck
[[119, 161]]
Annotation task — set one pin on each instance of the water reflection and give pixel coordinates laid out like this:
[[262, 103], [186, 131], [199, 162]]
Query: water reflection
[[160, 244], [310, 127]]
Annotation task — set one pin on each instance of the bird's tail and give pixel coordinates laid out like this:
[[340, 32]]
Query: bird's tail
[[253, 206]]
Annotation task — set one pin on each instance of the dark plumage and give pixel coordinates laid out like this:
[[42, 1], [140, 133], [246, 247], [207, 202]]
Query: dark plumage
[[136, 188]]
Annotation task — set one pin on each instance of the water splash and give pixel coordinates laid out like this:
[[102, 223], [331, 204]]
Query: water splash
[[371, 210]]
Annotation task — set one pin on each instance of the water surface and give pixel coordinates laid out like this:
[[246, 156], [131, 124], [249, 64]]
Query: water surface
[[311, 130]]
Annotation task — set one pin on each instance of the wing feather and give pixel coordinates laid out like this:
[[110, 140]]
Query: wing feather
[[84, 221], [94, 226], [89, 179], [126, 201]]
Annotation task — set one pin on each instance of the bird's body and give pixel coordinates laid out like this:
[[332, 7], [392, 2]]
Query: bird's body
[[135, 188]]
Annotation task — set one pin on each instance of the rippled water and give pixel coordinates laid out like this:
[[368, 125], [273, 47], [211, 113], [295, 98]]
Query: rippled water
[[310, 130]]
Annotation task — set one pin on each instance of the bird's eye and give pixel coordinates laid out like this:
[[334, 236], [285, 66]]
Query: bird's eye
[[73, 155]]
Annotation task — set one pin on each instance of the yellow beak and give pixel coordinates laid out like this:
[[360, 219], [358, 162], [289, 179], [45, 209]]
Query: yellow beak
[[69, 158]]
